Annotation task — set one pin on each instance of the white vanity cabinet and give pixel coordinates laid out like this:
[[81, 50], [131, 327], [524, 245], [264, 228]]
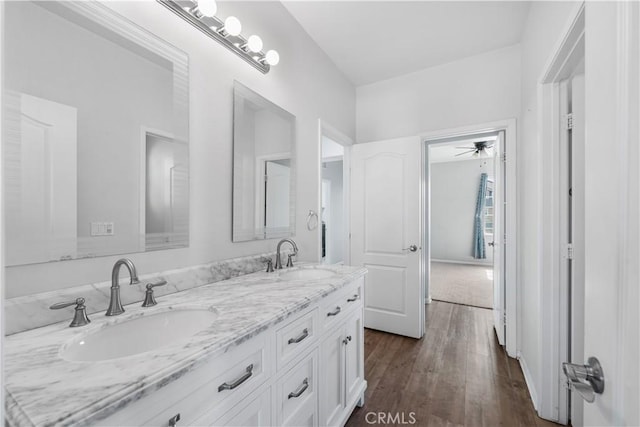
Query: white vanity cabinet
[[305, 371], [342, 356]]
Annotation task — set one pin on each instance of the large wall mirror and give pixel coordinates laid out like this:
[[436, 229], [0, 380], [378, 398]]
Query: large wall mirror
[[95, 135], [263, 168]]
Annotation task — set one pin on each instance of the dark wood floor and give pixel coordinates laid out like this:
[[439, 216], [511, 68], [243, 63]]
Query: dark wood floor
[[457, 375]]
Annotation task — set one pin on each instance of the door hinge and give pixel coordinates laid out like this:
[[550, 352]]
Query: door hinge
[[569, 250], [570, 121], [504, 157]]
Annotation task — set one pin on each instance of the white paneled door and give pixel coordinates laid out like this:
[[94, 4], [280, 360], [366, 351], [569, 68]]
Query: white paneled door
[[386, 233], [499, 241]]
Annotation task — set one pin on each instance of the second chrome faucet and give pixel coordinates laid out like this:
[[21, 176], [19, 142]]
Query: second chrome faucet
[[278, 265], [115, 304]]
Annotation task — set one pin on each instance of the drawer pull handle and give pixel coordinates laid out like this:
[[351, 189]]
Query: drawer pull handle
[[334, 312], [173, 421], [353, 298], [301, 389], [236, 383], [303, 335]]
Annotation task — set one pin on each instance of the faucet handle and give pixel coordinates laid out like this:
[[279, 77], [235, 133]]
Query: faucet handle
[[153, 285], [80, 316], [59, 305], [269, 263], [149, 299]]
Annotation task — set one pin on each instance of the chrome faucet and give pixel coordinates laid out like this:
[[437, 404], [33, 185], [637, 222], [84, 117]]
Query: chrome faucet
[[278, 265], [115, 305]]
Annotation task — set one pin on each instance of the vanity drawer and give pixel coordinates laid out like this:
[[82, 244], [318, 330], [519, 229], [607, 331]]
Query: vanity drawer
[[211, 388], [353, 295], [297, 394], [295, 337], [332, 312], [254, 411]]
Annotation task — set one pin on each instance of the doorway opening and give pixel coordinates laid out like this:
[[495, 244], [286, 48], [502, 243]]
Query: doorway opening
[[469, 222], [563, 234], [462, 180], [334, 196]]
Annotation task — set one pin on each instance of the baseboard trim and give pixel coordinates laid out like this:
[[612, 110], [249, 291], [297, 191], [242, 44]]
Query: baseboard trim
[[451, 261], [529, 380]]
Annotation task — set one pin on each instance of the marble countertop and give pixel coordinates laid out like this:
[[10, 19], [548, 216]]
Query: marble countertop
[[42, 389]]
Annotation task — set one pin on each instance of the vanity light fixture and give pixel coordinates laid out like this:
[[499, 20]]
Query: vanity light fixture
[[202, 15], [231, 27]]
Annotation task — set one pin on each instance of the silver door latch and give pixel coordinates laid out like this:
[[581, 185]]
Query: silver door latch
[[587, 380]]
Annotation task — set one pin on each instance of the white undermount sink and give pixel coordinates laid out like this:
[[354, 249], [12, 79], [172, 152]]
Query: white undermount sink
[[307, 274], [138, 335]]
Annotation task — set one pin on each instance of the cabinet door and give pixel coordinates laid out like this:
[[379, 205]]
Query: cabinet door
[[354, 356], [332, 378]]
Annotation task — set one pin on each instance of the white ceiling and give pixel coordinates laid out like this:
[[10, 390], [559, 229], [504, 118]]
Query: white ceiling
[[377, 40]]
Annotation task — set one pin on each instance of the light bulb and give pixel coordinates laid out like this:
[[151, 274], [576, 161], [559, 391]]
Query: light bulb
[[272, 57], [207, 7], [232, 26], [254, 43]]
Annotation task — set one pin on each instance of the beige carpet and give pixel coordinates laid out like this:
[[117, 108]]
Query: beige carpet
[[462, 284]]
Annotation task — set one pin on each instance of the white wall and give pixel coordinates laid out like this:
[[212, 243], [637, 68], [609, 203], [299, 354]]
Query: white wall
[[474, 90], [541, 33], [454, 191], [305, 83]]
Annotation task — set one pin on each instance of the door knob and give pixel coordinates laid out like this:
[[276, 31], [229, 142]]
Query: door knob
[[585, 379], [411, 248]]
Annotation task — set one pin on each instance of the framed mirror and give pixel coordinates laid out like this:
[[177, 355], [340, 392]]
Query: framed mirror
[[96, 135], [264, 167]]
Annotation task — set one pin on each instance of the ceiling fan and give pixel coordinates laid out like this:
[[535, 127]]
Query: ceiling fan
[[479, 149]]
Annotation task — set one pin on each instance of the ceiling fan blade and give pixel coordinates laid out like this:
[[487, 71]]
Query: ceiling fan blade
[[466, 148], [466, 152]]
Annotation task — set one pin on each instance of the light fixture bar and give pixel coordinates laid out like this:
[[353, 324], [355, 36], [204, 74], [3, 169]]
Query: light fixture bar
[[233, 43]]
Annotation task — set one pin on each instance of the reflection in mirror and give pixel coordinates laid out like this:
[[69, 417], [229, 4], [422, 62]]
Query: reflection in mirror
[[166, 185], [94, 106], [263, 168]]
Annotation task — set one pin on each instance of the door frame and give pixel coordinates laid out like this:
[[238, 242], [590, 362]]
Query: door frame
[[325, 129], [512, 292], [553, 403]]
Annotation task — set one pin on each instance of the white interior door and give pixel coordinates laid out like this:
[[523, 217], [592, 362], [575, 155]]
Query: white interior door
[[576, 232], [612, 213], [386, 214], [42, 191], [498, 240], [276, 195]]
